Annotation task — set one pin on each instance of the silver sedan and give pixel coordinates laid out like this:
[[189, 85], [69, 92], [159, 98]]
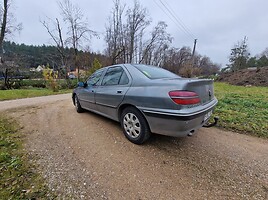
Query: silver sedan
[[147, 99]]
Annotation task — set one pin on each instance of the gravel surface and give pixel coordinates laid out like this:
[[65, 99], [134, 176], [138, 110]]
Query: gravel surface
[[85, 156]]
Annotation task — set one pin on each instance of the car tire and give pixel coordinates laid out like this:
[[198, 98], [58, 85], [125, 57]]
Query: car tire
[[134, 125], [77, 105]]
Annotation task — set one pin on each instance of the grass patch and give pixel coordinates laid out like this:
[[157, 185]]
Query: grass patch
[[26, 93], [243, 109], [18, 178]]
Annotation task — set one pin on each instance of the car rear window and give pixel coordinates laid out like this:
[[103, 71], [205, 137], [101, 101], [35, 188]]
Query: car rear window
[[154, 72]]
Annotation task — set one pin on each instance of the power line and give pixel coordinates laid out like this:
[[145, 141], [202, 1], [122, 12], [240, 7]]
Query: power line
[[179, 27], [179, 20], [179, 24], [176, 19]]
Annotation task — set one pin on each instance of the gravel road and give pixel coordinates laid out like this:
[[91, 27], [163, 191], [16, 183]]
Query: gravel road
[[85, 156]]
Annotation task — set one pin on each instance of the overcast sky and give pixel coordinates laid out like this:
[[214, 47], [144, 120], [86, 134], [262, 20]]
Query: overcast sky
[[217, 25]]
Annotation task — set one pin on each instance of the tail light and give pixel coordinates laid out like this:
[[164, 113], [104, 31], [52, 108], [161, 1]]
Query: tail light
[[184, 97]]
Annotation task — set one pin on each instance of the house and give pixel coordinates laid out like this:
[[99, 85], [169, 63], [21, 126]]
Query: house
[[40, 68], [73, 74]]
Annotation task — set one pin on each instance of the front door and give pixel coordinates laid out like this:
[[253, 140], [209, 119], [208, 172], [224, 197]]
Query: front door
[[87, 94]]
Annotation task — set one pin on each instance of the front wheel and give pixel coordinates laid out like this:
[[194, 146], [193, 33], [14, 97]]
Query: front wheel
[[78, 107], [134, 125]]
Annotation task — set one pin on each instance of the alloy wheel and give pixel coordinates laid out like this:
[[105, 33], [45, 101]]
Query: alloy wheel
[[132, 125]]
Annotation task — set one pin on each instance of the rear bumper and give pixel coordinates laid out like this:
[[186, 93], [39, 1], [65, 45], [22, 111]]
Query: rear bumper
[[177, 125]]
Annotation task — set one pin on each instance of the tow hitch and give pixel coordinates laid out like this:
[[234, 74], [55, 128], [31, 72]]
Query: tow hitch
[[208, 125]]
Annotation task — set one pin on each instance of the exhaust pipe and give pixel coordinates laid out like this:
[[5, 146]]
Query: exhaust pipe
[[191, 133], [207, 125]]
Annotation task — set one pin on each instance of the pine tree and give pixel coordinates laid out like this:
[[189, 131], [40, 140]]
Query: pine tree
[[239, 55], [96, 65]]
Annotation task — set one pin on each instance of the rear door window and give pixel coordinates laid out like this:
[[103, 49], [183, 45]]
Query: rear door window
[[115, 76]]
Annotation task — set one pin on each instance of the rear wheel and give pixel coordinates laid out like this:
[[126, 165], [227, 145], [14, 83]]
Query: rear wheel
[[134, 125], [78, 107]]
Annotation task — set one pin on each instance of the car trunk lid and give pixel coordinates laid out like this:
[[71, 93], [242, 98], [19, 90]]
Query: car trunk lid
[[203, 87]]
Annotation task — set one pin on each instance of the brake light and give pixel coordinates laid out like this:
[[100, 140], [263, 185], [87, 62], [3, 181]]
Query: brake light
[[184, 97]]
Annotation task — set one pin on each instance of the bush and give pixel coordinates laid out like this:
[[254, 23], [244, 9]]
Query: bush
[[26, 83], [40, 83], [67, 84], [51, 77]]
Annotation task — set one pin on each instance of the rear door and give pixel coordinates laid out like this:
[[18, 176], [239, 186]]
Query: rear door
[[112, 90]]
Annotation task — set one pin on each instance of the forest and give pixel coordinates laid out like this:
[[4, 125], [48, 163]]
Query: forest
[[29, 56]]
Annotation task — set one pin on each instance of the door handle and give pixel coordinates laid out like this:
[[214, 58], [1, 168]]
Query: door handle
[[119, 91]]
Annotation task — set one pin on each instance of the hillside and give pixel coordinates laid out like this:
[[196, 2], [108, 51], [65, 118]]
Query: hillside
[[27, 56], [246, 77]]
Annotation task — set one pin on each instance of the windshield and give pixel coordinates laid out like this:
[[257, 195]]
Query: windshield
[[154, 72]]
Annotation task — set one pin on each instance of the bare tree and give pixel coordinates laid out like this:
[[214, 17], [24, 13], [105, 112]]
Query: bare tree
[[180, 61], [176, 58], [207, 67], [155, 47], [78, 31], [114, 34], [8, 26], [265, 53], [8, 22], [56, 35], [127, 42], [137, 21], [125, 37], [4, 12]]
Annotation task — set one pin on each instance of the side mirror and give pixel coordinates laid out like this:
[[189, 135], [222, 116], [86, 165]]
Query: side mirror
[[81, 84]]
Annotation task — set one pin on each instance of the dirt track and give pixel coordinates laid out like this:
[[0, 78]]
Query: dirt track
[[85, 156]]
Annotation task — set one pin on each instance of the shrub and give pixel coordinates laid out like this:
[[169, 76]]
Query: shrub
[[26, 83], [50, 76], [67, 84]]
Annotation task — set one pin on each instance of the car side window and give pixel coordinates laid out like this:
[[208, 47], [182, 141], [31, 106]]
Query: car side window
[[94, 79], [124, 79], [115, 76]]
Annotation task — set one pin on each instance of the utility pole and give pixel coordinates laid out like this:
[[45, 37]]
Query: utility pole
[[191, 62], [195, 40]]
